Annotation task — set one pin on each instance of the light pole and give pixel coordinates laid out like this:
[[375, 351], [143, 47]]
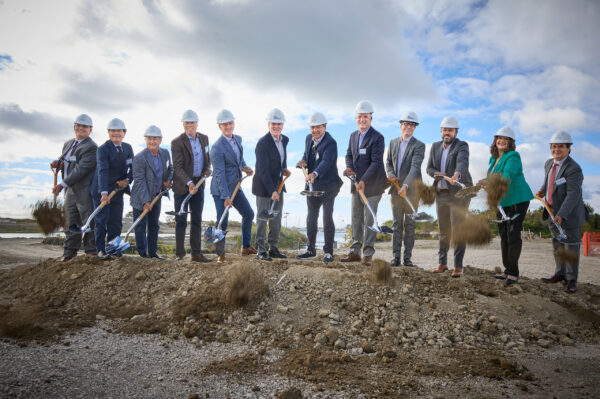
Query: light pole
[[286, 215]]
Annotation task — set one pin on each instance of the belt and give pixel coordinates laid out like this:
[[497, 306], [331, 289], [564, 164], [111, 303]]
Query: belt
[[443, 190]]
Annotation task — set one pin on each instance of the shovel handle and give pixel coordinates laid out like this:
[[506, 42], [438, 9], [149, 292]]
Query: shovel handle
[[304, 171], [546, 205], [281, 184], [449, 180], [237, 187], [401, 193], [362, 195], [55, 172]]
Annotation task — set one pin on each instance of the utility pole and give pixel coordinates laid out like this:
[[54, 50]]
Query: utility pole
[[286, 215]]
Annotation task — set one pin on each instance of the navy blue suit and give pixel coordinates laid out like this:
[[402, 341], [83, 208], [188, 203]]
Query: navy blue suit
[[322, 159], [368, 166], [110, 167], [269, 168]]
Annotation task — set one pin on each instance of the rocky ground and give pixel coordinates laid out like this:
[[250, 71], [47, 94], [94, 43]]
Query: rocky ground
[[132, 327]]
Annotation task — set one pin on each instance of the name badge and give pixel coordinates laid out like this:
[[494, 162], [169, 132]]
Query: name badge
[[317, 157], [362, 151], [560, 181], [129, 161], [72, 158]]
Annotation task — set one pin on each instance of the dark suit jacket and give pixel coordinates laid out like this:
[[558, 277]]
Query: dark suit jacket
[[411, 162], [369, 166], [183, 161], [110, 168], [145, 178], [81, 169], [457, 160], [324, 162], [269, 169], [567, 198]]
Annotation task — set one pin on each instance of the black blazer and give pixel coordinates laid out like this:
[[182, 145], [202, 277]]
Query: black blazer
[[368, 166], [269, 169], [110, 168], [324, 162]]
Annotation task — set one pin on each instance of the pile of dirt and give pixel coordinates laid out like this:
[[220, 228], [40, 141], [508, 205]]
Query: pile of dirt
[[49, 214], [496, 187]]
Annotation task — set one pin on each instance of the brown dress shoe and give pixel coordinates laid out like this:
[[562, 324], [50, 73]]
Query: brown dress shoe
[[571, 286], [366, 260], [66, 258], [457, 272], [351, 257], [200, 258], [554, 279], [221, 260], [440, 269], [249, 251]]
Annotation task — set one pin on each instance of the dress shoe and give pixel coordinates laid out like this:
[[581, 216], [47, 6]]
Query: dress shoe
[[264, 256], [155, 256], [408, 263], [351, 257], [249, 251], [328, 258], [103, 255], [366, 260], [306, 255], [221, 260], [179, 257], [440, 269], [500, 276], [571, 286], [200, 258], [274, 253], [554, 279], [395, 262], [510, 280], [66, 258], [457, 272]]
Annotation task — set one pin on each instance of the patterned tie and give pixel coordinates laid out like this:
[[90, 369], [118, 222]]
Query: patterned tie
[[551, 182]]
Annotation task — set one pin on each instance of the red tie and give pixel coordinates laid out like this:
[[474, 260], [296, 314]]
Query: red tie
[[551, 183]]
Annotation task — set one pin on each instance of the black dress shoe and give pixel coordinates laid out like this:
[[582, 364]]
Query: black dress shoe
[[156, 257], [263, 256], [554, 279], [66, 258], [395, 262], [510, 281], [500, 276], [274, 253], [408, 263], [571, 287], [306, 255]]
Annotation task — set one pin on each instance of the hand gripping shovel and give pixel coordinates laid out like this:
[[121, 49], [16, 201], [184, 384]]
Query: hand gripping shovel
[[118, 245], [86, 227], [413, 215], [562, 237], [464, 192], [182, 210], [310, 192], [271, 213], [383, 229], [215, 234]]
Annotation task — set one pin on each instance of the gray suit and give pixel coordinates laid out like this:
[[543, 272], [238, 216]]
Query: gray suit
[[78, 200], [567, 202], [451, 210], [145, 179], [410, 169]]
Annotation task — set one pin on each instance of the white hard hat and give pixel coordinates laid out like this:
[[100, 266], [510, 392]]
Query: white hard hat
[[317, 119], [116, 124], [189, 116], [561, 137], [225, 116], [449, 122], [505, 132], [364, 107], [84, 119], [152, 131], [275, 116], [410, 117]]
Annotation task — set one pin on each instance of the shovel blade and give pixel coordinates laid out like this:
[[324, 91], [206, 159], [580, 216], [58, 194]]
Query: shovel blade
[[73, 229], [387, 230], [375, 229]]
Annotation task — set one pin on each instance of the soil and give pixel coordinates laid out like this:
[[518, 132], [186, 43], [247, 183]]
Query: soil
[[318, 330]]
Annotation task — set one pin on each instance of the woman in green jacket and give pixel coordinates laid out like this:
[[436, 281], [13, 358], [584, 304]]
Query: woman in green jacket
[[505, 160]]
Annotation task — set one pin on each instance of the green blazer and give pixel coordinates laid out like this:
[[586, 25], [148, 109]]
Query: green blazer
[[511, 168]]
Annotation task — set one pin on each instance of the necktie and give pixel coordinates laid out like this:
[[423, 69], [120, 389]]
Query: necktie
[[551, 183]]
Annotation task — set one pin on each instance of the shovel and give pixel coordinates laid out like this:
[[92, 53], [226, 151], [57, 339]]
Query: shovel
[[271, 213], [118, 245], [215, 234], [310, 192], [182, 210], [413, 215], [86, 227], [504, 217], [464, 192], [383, 229], [562, 237]]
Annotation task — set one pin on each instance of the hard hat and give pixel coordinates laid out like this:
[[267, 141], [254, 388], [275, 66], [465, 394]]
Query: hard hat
[[189, 116], [561, 137], [364, 107], [410, 117], [116, 124], [152, 131], [317, 119], [84, 119], [225, 116], [449, 122], [275, 116], [505, 132]]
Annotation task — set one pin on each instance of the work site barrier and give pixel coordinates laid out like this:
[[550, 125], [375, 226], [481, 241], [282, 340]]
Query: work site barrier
[[591, 244]]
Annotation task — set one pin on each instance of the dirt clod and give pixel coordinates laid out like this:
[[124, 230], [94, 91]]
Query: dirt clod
[[49, 215], [473, 231], [496, 188], [291, 393], [566, 255], [382, 272], [427, 193]]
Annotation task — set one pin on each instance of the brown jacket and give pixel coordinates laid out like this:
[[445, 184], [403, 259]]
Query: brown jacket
[[183, 161]]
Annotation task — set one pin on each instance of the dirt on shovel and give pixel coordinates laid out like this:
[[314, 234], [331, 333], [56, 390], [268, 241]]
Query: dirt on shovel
[[427, 193], [496, 188]]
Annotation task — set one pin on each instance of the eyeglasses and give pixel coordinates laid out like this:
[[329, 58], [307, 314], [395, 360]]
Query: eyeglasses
[[409, 124]]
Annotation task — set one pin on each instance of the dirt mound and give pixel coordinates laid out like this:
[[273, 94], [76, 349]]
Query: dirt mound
[[50, 215], [472, 231], [496, 187]]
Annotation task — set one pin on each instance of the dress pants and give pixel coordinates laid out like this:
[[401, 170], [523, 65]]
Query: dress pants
[[264, 204], [451, 212], [361, 218], [194, 206], [146, 231], [510, 237], [241, 204], [78, 209], [312, 220], [404, 226], [108, 223]]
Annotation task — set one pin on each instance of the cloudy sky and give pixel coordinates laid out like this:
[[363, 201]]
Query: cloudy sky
[[531, 65]]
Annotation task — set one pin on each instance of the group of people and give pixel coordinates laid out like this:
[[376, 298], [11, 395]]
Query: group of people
[[95, 175]]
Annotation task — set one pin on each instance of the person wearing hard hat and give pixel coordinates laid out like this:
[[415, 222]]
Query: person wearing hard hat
[[320, 160], [271, 168], [227, 156], [191, 161], [562, 188], [77, 164], [152, 173], [403, 167], [364, 160], [449, 163], [505, 160], [113, 172]]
